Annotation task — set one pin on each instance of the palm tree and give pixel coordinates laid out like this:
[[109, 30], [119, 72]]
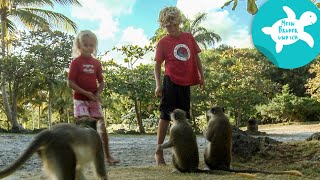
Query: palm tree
[[202, 35], [26, 13]]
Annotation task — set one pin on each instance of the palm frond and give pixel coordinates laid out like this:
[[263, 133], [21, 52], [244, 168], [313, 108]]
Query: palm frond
[[30, 20], [33, 3], [186, 27], [10, 25], [208, 38], [198, 19], [160, 32], [54, 19], [24, 3], [67, 2], [199, 30]]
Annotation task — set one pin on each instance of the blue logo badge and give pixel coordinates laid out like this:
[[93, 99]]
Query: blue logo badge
[[287, 32]]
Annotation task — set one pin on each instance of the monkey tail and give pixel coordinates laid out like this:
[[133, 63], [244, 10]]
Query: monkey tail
[[247, 175], [41, 139], [290, 172]]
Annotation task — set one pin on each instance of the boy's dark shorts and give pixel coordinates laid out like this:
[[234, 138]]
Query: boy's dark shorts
[[174, 96]]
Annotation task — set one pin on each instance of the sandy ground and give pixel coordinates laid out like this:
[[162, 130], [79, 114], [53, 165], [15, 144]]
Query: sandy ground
[[132, 150], [294, 132]]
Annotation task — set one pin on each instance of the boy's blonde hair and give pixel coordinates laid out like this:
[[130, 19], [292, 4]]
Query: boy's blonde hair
[[78, 41], [169, 15]]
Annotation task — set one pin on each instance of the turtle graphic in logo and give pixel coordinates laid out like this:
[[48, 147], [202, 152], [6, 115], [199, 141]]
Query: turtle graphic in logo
[[289, 30], [181, 52]]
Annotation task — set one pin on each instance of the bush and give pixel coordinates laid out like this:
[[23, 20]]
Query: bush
[[287, 107]]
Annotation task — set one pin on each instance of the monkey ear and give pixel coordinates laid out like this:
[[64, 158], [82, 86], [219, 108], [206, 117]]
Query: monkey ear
[[223, 109]]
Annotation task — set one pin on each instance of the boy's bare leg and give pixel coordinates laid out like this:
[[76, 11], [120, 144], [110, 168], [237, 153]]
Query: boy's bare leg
[[162, 131], [101, 128]]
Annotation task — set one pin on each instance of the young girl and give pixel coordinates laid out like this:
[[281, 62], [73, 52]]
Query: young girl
[[86, 80], [183, 69]]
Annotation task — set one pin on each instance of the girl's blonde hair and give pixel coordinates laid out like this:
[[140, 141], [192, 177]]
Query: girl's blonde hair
[[169, 15], [78, 42]]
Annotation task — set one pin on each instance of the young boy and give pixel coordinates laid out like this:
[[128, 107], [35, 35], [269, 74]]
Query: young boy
[[183, 69]]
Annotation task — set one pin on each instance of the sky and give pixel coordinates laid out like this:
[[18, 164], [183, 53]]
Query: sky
[[122, 22]]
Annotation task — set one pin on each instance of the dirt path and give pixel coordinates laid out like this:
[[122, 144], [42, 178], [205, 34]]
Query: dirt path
[[132, 150], [294, 132]]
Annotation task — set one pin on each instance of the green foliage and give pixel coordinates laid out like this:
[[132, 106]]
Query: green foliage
[[133, 85], [234, 79], [36, 68], [295, 78], [286, 107], [313, 83]]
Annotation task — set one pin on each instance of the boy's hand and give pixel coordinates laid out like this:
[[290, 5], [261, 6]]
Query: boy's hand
[[202, 84], [158, 91]]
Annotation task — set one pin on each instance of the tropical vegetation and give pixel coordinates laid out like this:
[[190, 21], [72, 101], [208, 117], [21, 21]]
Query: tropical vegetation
[[35, 64]]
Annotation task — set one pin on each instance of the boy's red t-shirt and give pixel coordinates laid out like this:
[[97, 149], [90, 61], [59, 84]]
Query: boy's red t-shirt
[[85, 72], [179, 54]]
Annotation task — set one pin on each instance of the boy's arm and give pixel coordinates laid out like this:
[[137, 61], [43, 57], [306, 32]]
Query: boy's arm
[[202, 81], [157, 74]]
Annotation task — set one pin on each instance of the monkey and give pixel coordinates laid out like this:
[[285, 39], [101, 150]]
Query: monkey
[[218, 153], [64, 150], [87, 121], [185, 155]]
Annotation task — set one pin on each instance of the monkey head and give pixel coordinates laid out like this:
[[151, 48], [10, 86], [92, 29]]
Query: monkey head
[[214, 111], [178, 115]]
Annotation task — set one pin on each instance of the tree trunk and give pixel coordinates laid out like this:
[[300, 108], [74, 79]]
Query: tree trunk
[[238, 119], [14, 122], [138, 115], [33, 123], [14, 109], [39, 114], [193, 119], [49, 112], [105, 115], [68, 115]]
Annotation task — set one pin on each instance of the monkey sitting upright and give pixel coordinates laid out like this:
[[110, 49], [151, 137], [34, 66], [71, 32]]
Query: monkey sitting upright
[[185, 155], [218, 153], [64, 150]]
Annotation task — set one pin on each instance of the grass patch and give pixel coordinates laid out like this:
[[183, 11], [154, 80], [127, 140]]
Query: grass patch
[[301, 156]]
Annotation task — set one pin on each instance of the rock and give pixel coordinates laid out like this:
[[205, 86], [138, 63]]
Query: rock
[[314, 136], [3, 130], [315, 158], [245, 145]]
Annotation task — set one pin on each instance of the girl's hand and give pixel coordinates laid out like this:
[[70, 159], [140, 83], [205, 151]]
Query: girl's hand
[[98, 97], [91, 96]]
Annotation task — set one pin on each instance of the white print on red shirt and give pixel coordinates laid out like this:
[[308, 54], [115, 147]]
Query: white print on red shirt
[[181, 52], [88, 68]]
